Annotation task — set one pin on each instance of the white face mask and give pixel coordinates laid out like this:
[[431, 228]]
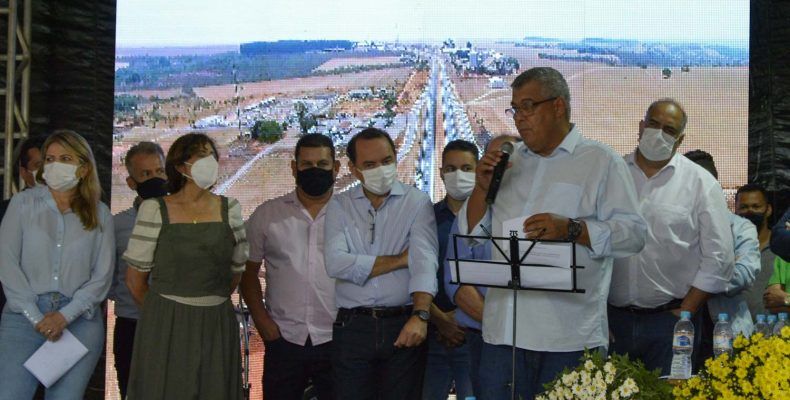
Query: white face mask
[[61, 177], [204, 172], [459, 184], [379, 180], [656, 145]]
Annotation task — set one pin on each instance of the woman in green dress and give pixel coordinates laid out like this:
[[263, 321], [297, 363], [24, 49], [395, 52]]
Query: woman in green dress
[[191, 245]]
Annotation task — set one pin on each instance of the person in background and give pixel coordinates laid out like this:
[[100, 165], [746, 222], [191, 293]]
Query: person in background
[[288, 234], [689, 254], [381, 248], [777, 295], [448, 356], [56, 245], [145, 164], [751, 202], [192, 246], [780, 236], [562, 186], [469, 300], [27, 162]]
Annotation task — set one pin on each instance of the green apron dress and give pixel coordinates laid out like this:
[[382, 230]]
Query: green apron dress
[[184, 351]]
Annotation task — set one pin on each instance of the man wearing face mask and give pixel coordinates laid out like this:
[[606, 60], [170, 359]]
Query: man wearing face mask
[[382, 250], [448, 358], [751, 202], [145, 163], [288, 234], [688, 255]]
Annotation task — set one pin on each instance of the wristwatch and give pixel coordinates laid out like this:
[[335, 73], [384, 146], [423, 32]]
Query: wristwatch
[[787, 301], [423, 315], [574, 229]]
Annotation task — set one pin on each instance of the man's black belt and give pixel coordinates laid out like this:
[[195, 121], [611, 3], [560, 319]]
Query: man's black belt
[[645, 311], [379, 312]]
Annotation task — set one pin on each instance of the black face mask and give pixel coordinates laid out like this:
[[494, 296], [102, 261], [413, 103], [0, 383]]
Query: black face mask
[[315, 181], [756, 218], [154, 187]]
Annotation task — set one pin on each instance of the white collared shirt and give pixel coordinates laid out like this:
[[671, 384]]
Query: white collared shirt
[[299, 294], [581, 179], [689, 237]]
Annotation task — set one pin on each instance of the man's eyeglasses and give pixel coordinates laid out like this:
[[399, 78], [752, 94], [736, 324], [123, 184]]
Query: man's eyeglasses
[[527, 108]]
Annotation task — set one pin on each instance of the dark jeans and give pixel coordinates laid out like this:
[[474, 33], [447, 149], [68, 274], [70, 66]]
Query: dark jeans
[[445, 366], [288, 368], [474, 340], [123, 343], [367, 365], [533, 370], [647, 337]]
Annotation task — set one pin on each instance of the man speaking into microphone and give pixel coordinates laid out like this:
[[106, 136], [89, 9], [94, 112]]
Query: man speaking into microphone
[[565, 187]]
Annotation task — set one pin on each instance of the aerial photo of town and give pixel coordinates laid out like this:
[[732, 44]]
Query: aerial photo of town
[[255, 96]]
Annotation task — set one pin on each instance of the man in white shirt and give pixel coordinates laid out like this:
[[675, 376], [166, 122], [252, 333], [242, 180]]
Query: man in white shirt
[[288, 233], [566, 187], [688, 255]]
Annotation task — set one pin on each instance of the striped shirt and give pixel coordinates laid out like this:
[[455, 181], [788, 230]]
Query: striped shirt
[[145, 235]]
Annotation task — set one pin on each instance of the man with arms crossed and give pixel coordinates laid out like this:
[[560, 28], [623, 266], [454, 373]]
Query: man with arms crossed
[[381, 248]]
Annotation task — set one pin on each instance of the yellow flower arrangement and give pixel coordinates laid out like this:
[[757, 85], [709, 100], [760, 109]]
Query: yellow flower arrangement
[[758, 369]]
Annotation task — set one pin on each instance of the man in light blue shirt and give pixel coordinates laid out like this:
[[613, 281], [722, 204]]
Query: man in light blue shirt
[[565, 187], [381, 247], [145, 163]]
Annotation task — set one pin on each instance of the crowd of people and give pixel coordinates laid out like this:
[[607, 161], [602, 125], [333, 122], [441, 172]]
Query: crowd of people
[[360, 302]]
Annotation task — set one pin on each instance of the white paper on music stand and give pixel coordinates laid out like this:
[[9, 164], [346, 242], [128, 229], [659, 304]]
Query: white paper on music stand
[[554, 254], [53, 359], [482, 273]]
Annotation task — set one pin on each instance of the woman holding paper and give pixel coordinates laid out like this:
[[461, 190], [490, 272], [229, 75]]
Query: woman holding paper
[[193, 247], [57, 251]]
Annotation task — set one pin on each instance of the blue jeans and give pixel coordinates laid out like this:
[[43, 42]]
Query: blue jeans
[[367, 366], [474, 340], [19, 340], [533, 370], [647, 337], [446, 365]]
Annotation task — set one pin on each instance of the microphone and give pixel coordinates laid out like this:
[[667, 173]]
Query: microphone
[[499, 170]]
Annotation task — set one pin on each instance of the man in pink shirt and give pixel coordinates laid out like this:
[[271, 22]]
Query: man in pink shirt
[[288, 234]]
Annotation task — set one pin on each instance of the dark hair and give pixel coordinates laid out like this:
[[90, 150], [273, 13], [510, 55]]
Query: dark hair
[[704, 160], [314, 140], [21, 154], [367, 134], [552, 84], [182, 150], [141, 148], [667, 100], [752, 187], [461, 145]]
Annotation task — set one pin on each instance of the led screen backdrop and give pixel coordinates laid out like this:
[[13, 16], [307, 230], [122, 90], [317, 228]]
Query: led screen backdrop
[[254, 75]]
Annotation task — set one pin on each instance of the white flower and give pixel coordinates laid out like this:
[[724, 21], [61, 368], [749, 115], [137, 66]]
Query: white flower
[[588, 365], [609, 368]]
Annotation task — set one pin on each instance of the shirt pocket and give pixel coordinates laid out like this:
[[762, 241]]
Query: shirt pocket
[[563, 199], [669, 223]]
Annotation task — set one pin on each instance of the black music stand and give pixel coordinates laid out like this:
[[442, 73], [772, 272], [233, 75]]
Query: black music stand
[[516, 263]]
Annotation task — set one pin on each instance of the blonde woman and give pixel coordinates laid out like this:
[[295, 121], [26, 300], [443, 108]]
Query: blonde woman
[[191, 247], [56, 260]]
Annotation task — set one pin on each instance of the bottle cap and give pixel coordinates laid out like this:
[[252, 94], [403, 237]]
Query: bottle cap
[[771, 317], [685, 315], [723, 316], [760, 317], [782, 315]]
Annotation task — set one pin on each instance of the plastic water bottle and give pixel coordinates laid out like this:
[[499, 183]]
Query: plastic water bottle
[[771, 324], [682, 347], [722, 336], [761, 326], [781, 323]]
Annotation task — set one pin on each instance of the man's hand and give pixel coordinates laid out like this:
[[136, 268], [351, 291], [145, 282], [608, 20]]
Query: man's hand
[[447, 329], [268, 329], [774, 296], [485, 169], [413, 333], [546, 226], [52, 326]]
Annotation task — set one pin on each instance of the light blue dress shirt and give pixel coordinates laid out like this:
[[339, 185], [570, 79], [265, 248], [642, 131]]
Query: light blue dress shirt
[[747, 267], [124, 303], [356, 234], [42, 251], [581, 179], [479, 252]]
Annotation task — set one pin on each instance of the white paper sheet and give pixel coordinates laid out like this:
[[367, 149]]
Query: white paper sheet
[[479, 273], [53, 359], [554, 254]]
